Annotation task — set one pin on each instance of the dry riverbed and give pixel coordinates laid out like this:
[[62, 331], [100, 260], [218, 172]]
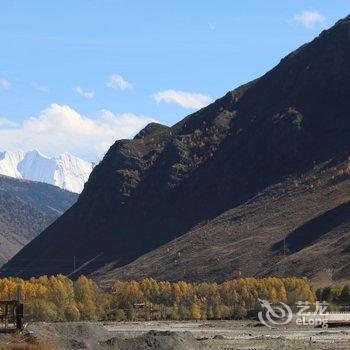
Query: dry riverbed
[[202, 335]]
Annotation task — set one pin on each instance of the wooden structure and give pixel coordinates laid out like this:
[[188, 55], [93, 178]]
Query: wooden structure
[[11, 316]]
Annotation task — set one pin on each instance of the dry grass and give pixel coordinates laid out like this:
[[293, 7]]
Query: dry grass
[[32, 345]]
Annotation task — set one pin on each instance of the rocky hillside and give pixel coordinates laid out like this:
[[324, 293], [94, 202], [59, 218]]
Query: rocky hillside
[[26, 209], [216, 194], [295, 227]]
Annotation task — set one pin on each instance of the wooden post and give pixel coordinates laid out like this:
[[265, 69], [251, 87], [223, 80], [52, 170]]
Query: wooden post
[[19, 309], [19, 316]]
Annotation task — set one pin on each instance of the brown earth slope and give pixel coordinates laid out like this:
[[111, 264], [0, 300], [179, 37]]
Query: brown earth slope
[[300, 226], [232, 180]]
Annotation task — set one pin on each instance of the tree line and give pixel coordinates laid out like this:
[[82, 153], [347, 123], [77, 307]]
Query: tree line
[[338, 296], [57, 298]]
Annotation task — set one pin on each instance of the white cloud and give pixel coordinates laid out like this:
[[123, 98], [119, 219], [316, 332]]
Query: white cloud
[[82, 92], [60, 128], [212, 25], [4, 122], [310, 18], [5, 83], [116, 81], [182, 98]]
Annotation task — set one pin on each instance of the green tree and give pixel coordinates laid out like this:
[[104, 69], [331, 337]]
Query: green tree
[[175, 314], [184, 312], [319, 294], [344, 297], [210, 312], [72, 312], [120, 315], [327, 294], [131, 313]]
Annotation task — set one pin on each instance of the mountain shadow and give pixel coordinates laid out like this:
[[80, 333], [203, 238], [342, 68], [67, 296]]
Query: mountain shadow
[[315, 229]]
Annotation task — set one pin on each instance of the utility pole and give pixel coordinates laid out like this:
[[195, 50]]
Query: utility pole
[[74, 263]]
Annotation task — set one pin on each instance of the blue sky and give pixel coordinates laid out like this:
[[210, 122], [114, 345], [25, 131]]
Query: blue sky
[[70, 67]]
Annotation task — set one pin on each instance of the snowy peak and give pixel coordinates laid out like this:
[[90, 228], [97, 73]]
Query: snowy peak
[[72, 172], [9, 162], [66, 171], [37, 167]]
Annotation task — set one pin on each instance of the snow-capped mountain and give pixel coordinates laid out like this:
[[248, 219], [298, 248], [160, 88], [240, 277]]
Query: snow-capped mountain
[[66, 171]]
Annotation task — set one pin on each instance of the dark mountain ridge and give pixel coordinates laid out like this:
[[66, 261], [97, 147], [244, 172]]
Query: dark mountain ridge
[[168, 181], [48, 198], [26, 209]]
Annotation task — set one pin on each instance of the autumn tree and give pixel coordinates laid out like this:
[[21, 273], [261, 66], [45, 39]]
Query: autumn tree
[[195, 312]]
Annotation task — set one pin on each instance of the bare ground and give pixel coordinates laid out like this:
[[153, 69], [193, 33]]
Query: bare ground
[[204, 335]]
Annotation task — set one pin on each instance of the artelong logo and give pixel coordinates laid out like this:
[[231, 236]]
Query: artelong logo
[[281, 314]]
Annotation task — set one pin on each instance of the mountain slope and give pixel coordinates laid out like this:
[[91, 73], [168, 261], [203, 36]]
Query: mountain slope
[[67, 172], [26, 209], [289, 126], [311, 214]]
